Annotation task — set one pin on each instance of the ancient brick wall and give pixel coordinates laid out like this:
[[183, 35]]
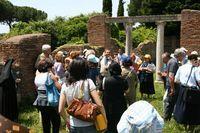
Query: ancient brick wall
[[24, 49], [171, 43], [190, 30], [68, 48], [98, 31]]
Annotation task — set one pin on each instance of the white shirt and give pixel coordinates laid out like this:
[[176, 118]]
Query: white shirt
[[74, 91], [183, 73], [105, 62]]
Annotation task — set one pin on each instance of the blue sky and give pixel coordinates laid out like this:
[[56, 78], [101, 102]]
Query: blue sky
[[65, 8]]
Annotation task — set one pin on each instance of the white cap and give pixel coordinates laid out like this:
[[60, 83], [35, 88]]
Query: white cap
[[45, 47], [194, 52], [183, 49]]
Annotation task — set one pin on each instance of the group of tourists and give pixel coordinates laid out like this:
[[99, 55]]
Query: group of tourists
[[111, 82], [182, 81]]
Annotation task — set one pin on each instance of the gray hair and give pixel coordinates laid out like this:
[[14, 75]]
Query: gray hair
[[46, 47], [178, 52]]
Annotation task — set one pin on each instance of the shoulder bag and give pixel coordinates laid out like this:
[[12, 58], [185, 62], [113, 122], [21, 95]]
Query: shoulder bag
[[83, 110], [53, 94], [192, 94]]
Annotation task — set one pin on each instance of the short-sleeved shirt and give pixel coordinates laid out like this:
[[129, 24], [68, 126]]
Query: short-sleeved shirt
[[59, 69], [172, 67], [74, 91], [184, 77], [40, 81]]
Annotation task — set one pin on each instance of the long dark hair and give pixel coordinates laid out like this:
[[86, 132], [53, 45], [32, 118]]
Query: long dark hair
[[115, 69], [78, 70]]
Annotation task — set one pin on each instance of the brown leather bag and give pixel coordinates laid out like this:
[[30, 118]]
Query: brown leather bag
[[83, 110]]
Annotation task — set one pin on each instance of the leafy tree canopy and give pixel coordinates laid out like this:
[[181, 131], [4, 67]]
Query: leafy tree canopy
[[107, 7], [7, 11], [26, 14], [10, 13], [120, 12], [62, 30], [158, 7]]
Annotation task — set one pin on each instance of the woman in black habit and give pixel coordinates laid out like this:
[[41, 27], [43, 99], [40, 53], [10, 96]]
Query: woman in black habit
[[8, 95]]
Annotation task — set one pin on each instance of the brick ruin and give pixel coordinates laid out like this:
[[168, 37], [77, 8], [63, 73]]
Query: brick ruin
[[24, 49], [190, 30], [99, 31]]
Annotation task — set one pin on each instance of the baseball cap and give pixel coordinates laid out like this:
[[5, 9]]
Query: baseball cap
[[125, 59], [194, 52], [92, 58]]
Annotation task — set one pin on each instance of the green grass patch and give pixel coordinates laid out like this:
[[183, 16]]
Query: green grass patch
[[29, 115]]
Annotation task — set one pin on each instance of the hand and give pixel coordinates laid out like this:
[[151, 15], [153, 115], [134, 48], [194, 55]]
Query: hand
[[18, 80], [171, 92], [67, 124], [54, 78], [144, 68], [159, 73]]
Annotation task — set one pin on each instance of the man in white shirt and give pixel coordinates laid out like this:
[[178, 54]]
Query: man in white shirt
[[187, 106], [105, 62], [189, 74]]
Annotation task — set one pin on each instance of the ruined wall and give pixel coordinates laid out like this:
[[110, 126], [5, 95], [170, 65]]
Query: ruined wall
[[99, 31], [24, 49], [171, 43], [68, 48], [190, 30]]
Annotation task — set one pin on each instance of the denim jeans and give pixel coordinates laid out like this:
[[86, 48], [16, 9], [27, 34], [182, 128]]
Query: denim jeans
[[88, 129]]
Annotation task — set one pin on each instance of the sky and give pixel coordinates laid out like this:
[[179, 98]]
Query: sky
[[65, 8]]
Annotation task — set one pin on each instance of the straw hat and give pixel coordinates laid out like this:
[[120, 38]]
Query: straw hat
[[147, 56]]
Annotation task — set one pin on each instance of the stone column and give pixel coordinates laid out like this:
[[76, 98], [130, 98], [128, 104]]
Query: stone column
[[128, 46], [159, 48]]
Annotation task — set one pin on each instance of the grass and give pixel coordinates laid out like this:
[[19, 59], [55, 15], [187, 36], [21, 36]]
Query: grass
[[29, 116]]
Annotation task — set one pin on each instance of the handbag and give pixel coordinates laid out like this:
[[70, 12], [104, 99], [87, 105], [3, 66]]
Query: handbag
[[100, 123], [53, 94], [83, 110], [191, 94]]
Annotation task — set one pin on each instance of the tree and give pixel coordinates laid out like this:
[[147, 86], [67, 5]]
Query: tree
[[159, 7], [107, 7], [120, 12], [62, 30], [26, 14], [10, 13], [6, 12]]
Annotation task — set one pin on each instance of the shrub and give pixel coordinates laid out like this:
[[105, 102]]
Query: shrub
[[139, 35], [62, 30], [142, 33]]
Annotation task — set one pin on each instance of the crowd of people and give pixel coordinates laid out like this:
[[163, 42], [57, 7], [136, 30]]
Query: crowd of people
[[111, 82]]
